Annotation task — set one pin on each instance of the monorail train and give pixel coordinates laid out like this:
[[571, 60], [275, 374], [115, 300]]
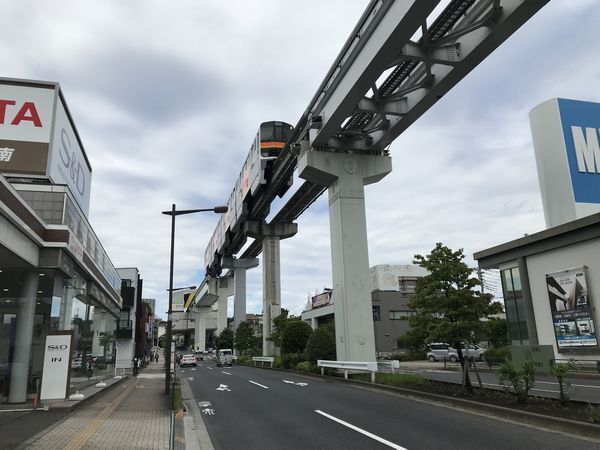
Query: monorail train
[[268, 142]]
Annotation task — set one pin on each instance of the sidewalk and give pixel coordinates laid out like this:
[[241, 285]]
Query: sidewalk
[[133, 414]]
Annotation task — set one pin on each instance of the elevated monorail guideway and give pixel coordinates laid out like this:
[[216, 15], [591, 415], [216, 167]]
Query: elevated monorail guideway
[[381, 82]]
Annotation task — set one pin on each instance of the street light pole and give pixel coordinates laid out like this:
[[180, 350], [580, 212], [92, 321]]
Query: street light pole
[[173, 212]]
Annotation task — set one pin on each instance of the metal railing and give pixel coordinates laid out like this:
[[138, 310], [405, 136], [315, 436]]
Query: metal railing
[[263, 359], [347, 366]]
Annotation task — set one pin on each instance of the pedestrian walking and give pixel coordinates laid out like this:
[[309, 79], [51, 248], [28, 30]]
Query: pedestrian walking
[[89, 368], [136, 366]]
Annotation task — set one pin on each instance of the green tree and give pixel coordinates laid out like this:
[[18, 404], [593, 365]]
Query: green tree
[[521, 380], [279, 324], [321, 344], [448, 306], [496, 331], [295, 336], [244, 339], [225, 339]]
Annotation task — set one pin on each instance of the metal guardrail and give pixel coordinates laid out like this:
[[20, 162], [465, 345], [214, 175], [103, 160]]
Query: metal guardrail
[[263, 359], [349, 365], [392, 365], [586, 366]]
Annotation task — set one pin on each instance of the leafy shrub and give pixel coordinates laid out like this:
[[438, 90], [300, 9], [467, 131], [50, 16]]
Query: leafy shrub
[[304, 366], [290, 360], [522, 380], [321, 345], [560, 370], [244, 360], [593, 413]]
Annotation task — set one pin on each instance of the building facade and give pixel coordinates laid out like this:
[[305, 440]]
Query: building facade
[[392, 286], [56, 279]]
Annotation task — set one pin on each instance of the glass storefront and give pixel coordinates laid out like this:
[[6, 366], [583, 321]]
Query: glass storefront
[[34, 303]]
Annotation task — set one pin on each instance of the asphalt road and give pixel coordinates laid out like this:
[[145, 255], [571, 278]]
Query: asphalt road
[[250, 408]]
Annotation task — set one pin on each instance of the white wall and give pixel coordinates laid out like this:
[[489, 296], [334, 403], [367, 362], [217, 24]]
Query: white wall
[[585, 254], [384, 277]]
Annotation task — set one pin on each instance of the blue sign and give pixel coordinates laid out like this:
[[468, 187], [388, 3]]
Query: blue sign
[[581, 130]]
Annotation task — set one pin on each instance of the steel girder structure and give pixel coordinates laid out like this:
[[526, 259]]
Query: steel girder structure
[[383, 80]]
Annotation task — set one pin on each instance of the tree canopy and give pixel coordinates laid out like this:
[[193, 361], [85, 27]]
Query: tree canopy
[[295, 336], [321, 344], [279, 324], [225, 339], [244, 339], [448, 306]]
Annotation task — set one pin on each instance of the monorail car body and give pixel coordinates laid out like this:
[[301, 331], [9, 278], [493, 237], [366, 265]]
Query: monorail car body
[[266, 146]]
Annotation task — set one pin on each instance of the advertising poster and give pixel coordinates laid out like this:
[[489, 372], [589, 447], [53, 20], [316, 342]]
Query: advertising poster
[[571, 309], [322, 299]]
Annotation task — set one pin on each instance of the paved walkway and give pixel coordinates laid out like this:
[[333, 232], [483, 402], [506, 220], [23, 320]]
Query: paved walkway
[[135, 414]]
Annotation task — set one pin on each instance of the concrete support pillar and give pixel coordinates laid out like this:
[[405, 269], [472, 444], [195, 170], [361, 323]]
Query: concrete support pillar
[[239, 267], [222, 312], [271, 235], [346, 175], [200, 328], [19, 374], [313, 323]]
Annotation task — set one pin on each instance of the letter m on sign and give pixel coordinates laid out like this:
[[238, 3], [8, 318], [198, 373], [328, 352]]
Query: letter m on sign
[[587, 149]]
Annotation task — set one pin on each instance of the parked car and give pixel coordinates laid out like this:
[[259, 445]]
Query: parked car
[[188, 360], [439, 352], [76, 363], [473, 350]]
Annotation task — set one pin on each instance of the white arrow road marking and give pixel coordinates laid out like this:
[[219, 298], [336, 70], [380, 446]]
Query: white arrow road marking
[[190, 378], [293, 382], [194, 368], [223, 387], [258, 384], [204, 404], [208, 411], [226, 373], [360, 430]]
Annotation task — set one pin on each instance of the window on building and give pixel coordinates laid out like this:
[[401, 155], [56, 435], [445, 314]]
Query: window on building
[[376, 314], [514, 306], [407, 286], [401, 314]]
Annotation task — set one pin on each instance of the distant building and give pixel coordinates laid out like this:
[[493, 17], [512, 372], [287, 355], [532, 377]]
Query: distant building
[[392, 286]]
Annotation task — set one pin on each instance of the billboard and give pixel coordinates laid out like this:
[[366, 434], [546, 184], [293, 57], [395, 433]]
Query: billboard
[[566, 136], [321, 299], [38, 138], [571, 309]]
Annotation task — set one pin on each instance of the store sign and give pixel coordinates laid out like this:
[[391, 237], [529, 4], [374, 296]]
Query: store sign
[[572, 312], [25, 127], [57, 361], [67, 162], [581, 127]]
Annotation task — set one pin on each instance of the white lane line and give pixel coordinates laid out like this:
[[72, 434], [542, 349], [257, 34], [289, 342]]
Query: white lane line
[[226, 373], [360, 430], [209, 368], [511, 389], [258, 384]]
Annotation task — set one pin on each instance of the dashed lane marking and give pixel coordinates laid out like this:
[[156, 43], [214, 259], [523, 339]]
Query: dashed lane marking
[[258, 384], [226, 373]]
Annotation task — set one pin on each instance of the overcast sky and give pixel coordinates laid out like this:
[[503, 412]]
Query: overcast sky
[[167, 96]]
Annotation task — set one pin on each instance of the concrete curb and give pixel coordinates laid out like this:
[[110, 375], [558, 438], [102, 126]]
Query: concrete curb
[[196, 434], [550, 423]]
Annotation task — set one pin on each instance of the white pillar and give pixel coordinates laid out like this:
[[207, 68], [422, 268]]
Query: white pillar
[[200, 328], [239, 267], [271, 290], [222, 312], [19, 374], [313, 323], [346, 175]]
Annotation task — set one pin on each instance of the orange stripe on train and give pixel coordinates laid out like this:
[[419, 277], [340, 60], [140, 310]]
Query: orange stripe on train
[[272, 144]]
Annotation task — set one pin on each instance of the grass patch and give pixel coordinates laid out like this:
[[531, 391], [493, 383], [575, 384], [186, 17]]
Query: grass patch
[[177, 400], [406, 380]]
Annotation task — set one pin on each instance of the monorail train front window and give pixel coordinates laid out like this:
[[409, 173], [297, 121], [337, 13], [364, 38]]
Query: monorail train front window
[[273, 136]]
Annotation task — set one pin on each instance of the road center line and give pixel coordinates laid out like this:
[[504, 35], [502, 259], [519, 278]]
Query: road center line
[[360, 430], [258, 384], [226, 373]]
